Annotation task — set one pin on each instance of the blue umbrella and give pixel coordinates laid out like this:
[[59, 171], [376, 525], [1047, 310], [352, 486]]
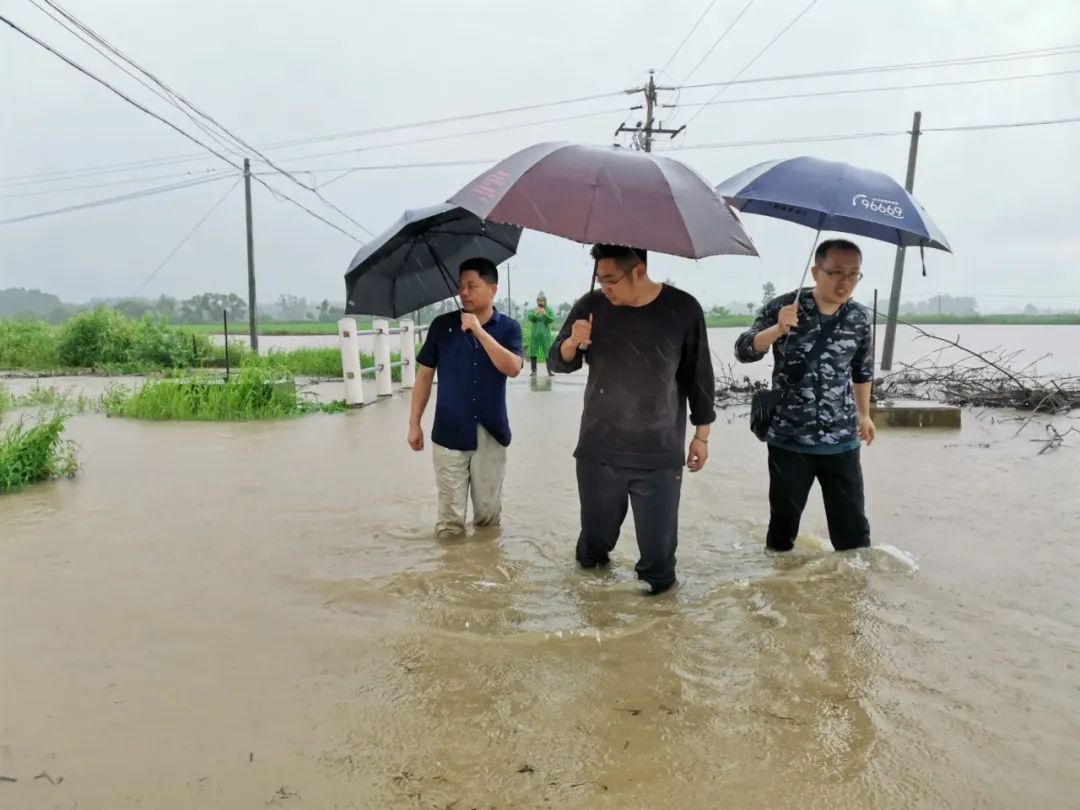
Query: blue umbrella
[[828, 195]]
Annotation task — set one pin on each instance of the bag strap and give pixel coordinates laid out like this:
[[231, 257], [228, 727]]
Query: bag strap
[[824, 334]]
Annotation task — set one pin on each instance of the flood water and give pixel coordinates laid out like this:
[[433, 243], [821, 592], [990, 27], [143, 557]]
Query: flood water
[[257, 615], [1051, 349]]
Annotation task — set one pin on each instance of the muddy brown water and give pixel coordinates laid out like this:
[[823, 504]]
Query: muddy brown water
[[257, 615]]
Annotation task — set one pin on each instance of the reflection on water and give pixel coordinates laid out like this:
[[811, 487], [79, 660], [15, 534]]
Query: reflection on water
[[228, 615]]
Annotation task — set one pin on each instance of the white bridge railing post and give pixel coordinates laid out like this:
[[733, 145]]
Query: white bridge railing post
[[383, 385], [350, 362], [408, 353]]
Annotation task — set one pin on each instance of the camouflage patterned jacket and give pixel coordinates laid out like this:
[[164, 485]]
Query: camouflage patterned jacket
[[819, 409]]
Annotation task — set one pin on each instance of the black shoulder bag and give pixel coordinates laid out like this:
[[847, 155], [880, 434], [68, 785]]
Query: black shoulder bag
[[767, 402]]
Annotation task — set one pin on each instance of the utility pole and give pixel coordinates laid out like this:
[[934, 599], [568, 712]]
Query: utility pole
[[898, 266], [253, 330], [644, 131]]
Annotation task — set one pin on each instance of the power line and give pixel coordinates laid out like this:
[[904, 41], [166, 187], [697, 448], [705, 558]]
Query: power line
[[184, 241], [689, 34], [206, 116], [163, 120], [89, 41], [128, 181], [433, 164], [757, 56], [337, 136], [49, 177], [717, 42], [377, 167], [860, 90], [857, 136], [1011, 56], [55, 175], [135, 195], [1010, 125], [451, 136]]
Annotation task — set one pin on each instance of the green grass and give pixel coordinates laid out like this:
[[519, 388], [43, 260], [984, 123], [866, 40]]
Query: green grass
[[31, 453], [727, 321], [100, 340], [46, 397], [28, 345], [105, 342], [278, 328], [249, 395], [252, 394]]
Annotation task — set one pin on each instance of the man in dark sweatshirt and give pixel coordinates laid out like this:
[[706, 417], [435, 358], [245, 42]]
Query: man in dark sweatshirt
[[648, 355]]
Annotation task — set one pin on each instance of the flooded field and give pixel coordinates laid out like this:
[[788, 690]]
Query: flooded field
[[1037, 342], [257, 615]]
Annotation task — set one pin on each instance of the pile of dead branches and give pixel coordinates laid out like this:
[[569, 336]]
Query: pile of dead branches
[[732, 391], [993, 379]]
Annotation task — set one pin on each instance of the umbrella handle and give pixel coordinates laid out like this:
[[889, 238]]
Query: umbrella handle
[[450, 286], [799, 289]]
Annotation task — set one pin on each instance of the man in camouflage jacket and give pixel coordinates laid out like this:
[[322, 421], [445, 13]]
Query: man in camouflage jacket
[[825, 413]]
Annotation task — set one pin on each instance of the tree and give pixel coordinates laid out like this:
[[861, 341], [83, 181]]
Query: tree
[[291, 308], [133, 308], [16, 302], [768, 292], [750, 308], [166, 308], [207, 308]]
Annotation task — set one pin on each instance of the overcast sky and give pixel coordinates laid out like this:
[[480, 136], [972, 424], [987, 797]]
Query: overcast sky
[[275, 70]]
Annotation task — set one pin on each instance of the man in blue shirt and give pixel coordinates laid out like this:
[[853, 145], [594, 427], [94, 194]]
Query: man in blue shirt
[[473, 352]]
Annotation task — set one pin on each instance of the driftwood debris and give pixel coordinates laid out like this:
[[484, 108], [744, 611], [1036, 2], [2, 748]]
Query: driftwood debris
[[992, 379], [733, 391]]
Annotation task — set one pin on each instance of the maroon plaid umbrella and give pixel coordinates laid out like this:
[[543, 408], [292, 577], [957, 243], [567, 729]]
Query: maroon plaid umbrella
[[615, 196]]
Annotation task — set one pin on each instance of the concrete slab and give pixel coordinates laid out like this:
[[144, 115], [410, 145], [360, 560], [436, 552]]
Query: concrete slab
[[915, 414]]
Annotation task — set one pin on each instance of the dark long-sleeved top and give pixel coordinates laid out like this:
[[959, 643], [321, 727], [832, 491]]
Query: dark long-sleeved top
[[818, 414], [646, 364]]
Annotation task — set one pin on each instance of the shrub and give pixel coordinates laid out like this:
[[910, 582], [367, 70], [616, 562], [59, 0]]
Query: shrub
[[36, 453]]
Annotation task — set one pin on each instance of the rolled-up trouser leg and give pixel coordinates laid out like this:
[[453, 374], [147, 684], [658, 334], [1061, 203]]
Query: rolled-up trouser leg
[[452, 481], [487, 469]]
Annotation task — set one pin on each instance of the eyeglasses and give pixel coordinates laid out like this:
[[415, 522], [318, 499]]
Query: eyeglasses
[[837, 275], [609, 283]]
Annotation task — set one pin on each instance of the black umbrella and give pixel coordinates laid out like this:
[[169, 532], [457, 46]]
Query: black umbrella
[[415, 262]]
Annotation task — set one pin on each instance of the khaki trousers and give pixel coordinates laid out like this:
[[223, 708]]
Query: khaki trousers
[[459, 474]]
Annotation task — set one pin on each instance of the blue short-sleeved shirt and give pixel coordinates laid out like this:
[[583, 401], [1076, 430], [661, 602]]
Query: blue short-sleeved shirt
[[471, 390]]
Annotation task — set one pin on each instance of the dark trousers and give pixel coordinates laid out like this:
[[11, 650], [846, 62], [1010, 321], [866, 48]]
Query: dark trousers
[[791, 475], [605, 492]]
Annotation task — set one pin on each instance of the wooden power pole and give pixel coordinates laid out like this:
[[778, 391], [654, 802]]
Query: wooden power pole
[[898, 265], [644, 131], [252, 326]]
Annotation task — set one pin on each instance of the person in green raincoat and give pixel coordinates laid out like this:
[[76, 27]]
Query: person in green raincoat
[[540, 337]]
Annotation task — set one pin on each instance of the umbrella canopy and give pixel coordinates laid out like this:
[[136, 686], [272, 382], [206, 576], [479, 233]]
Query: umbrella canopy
[[595, 194], [415, 262], [831, 196]]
